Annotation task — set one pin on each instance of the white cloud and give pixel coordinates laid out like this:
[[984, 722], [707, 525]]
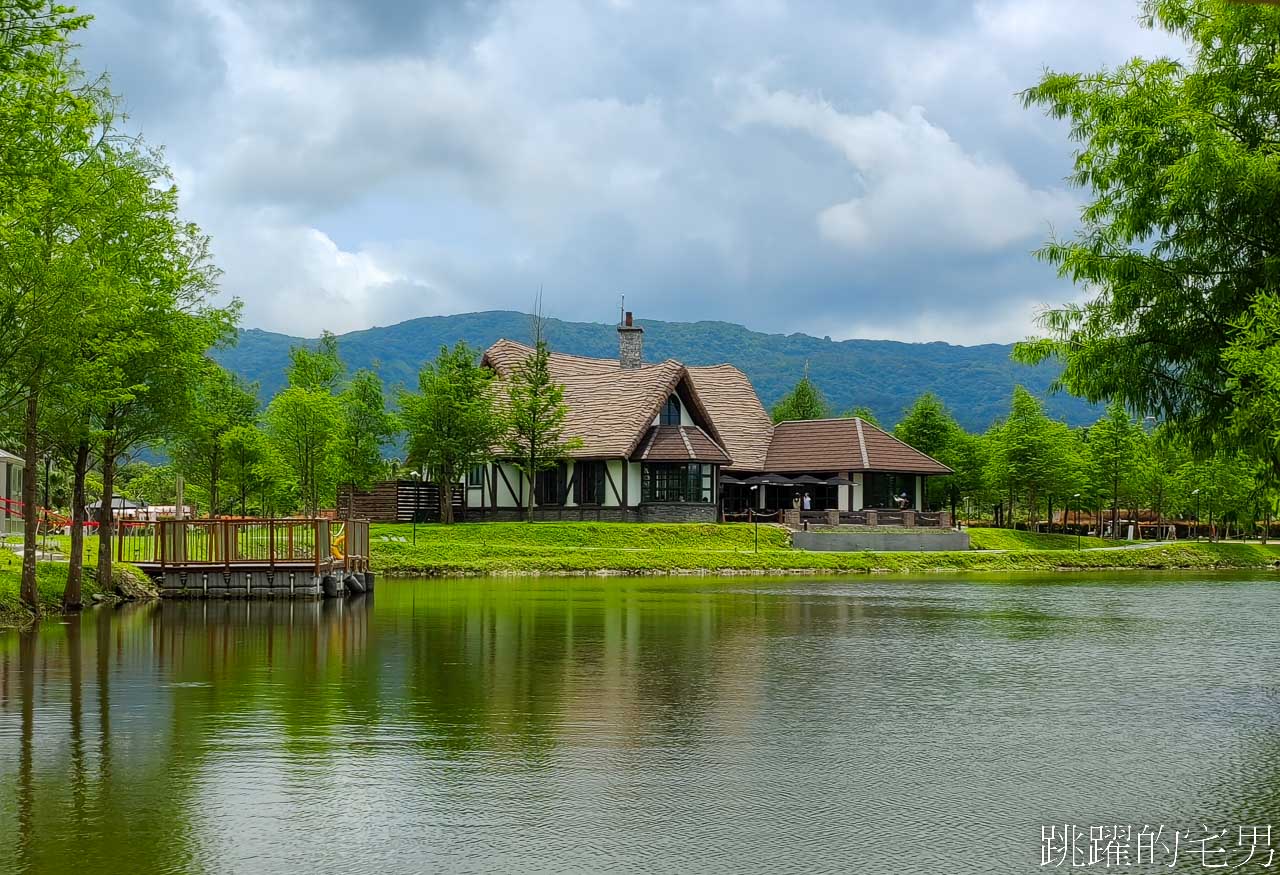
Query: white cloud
[[366, 163], [916, 186]]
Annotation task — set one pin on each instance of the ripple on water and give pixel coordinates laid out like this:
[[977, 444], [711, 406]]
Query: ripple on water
[[473, 727]]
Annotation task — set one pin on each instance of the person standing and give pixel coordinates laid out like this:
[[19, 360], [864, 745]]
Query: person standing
[[808, 502]]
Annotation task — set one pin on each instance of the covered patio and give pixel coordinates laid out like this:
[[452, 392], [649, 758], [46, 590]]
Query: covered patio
[[851, 472]]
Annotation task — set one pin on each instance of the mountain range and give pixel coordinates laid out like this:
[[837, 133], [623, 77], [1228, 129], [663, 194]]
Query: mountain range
[[886, 376]]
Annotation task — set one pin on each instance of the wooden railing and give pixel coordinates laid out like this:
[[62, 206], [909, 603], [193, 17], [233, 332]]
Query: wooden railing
[[319, 544]]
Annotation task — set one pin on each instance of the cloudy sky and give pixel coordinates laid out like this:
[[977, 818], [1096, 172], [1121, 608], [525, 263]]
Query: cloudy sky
[[852, 168]]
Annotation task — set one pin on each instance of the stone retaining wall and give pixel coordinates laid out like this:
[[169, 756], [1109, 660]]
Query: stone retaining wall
[[919, 540]]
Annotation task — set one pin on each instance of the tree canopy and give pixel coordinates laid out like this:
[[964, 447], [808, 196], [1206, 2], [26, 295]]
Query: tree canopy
[[1180, 242]]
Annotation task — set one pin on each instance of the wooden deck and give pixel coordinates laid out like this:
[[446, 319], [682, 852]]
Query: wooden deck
[[277, 556]]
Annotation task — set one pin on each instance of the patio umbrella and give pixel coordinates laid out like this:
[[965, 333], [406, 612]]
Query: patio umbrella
[[725, 479], [768, 480], [838, 481], [808, 480]]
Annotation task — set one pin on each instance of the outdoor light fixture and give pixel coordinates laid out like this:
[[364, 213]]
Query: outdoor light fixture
[[417, 503], [755, 517], [1196, 493], [1077, 496]]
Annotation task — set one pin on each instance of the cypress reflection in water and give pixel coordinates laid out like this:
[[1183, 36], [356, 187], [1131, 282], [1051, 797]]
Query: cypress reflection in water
[[552, 725]]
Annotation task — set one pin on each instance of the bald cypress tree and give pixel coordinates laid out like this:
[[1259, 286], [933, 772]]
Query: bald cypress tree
[[804, 401]]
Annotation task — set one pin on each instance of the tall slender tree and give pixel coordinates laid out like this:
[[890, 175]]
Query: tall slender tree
[[452, 421], [536, 412], [804, 401]]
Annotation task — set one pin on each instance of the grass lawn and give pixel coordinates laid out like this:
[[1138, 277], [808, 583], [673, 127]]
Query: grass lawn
[[1013, 539], [51, 579], [632, 548]]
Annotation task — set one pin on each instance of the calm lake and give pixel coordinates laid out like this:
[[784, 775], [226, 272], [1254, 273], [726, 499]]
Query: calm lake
[[645, 725]]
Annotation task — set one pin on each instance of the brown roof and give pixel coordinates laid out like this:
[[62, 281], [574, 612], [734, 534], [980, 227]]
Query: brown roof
[[610, 408], [739, 417], [844, 445], [679, 443]]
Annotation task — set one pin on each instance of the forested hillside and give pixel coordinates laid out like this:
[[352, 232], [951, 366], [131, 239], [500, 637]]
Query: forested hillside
[[886, 376]]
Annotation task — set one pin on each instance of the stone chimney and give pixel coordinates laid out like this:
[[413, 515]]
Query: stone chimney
[[630, 343]]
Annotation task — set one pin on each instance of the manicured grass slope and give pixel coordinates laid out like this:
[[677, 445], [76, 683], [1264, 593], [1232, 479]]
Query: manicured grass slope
[[1012, 539], [584, 548], [51, 580]]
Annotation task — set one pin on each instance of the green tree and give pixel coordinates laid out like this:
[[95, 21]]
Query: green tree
[[304, 425], [451, 419], [1113, 443], [804, 401], [535, 439], [929, 427], [244, 449], [367, 428], [222, 402], [51, 130], [304, 421], [863, 413], [319, 368], [1181, 237], [1030, 455]]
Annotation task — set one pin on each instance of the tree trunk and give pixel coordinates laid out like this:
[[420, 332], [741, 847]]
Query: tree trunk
[[73, 595], [106, 515], [30, 509], [215, 474], [446, 501]]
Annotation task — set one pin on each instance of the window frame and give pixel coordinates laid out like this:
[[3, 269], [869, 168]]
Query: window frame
[[671, 409]]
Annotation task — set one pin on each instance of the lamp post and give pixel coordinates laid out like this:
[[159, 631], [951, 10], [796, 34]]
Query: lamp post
[[417, 502], [1077, 498], [755, 517], [1196, 493]]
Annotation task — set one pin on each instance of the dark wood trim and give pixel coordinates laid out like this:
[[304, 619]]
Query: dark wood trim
[[568, 487], [626, 478], [608, 475], [493, 494], [511, 490]]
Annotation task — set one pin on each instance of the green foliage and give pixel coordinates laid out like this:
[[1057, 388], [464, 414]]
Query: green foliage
[[367, 428], [451, 420], [804, 401], [864, 413], [630, 548], [1031, 456], [304, 425], [535, 414], [319, 368], [884, 376], [1113, 443], [1181, 239], [222, 403]]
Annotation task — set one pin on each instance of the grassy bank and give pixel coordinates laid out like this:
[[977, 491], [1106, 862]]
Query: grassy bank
[[1012, 539], [623, 548], [51, 580]]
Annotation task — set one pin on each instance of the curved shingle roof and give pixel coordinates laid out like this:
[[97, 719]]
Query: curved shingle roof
[[610, 408]]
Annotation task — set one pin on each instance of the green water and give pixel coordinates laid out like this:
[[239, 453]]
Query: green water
[[648, 725]]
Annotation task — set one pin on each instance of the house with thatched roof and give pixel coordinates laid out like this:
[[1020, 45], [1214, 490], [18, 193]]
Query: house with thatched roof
[[664, 441]]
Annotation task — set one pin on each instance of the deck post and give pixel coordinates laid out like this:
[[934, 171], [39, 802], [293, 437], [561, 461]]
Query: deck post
[[226, 543], [271, 544]]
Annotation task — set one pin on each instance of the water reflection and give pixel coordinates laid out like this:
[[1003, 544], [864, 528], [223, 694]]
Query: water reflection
[[678, 726]]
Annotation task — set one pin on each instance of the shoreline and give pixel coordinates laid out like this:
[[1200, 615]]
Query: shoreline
[[789, 563]]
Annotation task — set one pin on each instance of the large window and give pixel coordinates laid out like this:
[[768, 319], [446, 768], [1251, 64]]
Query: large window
[[880, 490], [676, 481], [588, 482], [475, 476], [670, 412], [549, 486]]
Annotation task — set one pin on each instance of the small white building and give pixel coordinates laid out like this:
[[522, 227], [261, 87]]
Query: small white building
[[11, 468]]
